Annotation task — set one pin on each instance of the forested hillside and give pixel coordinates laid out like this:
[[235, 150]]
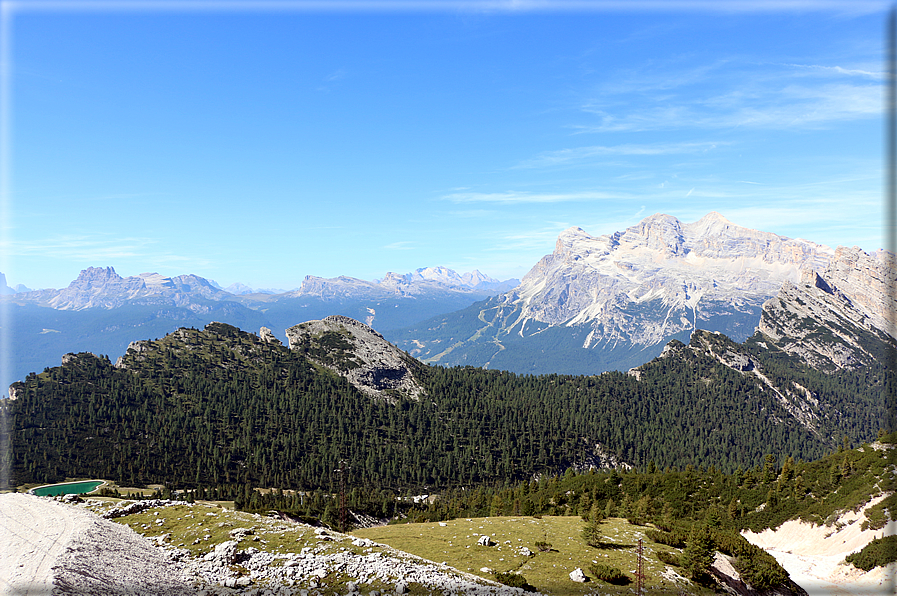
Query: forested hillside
[[223, 407]]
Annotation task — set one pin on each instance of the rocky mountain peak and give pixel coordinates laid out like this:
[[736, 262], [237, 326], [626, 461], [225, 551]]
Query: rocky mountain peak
[[439, 274], [156, 282], [569, 239], [622, 296], [679, 264], [475, 278], [95, 276], [361, 355], [97, 287], [238, 289], [660, 232], [4, 289]]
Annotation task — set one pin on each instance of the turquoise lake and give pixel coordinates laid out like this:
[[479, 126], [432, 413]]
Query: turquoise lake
[[69, 488]]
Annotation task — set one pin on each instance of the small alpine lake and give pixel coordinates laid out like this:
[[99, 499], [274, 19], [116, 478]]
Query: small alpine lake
[[67, 488]]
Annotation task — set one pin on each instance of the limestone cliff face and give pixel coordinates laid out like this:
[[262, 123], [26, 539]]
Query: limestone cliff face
[[837, 318], [102, 287], [358, 353], [605, 302], [98, 287], [680, 269]]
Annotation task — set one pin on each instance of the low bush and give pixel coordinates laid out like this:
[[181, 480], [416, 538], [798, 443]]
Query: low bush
[[675, 538], [877, 553], [758, 567], [668, 558], [608, 574], [514, 580], [877, 517]]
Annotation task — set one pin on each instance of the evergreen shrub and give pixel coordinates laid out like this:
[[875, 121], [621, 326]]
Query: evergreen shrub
[[877, 553], [668, 558], [608, 574], [514, 580]]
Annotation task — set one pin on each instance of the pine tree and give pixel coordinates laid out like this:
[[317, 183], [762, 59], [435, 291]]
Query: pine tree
[[698, 555], [733, 509], [591, 533]]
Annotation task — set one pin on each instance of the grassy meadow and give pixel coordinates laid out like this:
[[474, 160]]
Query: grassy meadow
[[455, 543]]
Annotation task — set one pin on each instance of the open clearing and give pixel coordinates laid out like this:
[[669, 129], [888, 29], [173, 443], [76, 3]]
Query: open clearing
[[455, 543]]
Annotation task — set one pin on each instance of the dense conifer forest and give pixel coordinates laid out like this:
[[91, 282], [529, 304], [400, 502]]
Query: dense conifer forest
[[695, 509], [220, 407]]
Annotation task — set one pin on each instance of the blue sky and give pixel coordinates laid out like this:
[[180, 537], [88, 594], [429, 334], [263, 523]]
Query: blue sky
[[263, 145]]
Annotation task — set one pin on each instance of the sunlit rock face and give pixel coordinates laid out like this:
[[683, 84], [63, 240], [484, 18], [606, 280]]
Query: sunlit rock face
[[660, 277], [610, 302], [361, 355], [837, 318]]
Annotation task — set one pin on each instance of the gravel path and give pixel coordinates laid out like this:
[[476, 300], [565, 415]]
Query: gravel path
[[35, 535], [53, 548]]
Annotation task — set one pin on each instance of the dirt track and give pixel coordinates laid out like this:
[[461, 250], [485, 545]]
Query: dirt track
[[36, 534], [50, 547]]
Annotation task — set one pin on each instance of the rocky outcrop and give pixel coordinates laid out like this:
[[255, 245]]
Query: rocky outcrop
[[5, 289], [358, 353], [135, 350], [838, 318], [268, 337]]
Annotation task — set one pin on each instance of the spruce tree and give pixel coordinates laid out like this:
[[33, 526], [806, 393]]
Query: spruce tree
[[698, 555]]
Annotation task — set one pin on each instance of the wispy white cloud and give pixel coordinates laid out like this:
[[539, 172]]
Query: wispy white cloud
[[96, 249], [78, 247], [401, 245], [472, 213], [732, 93], [514, 197], [837, 70], [335, 75], [794, 107], [578, 154], [528, 240]]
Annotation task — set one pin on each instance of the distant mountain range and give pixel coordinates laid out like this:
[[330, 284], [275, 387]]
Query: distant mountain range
[[340, 392], [98, 287], [612, 302], [102, 312], [5, 289], [596, 303]]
